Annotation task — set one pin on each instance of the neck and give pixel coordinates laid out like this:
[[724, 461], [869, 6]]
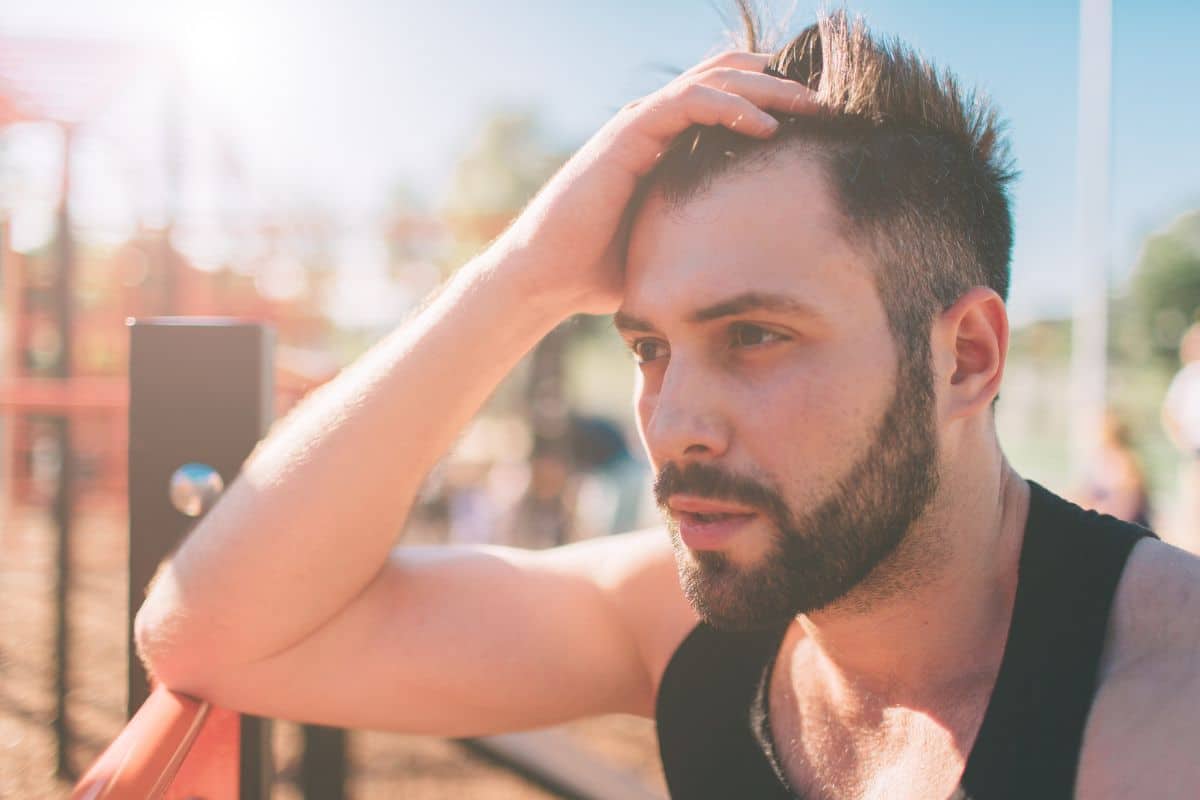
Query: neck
[[945, 621]]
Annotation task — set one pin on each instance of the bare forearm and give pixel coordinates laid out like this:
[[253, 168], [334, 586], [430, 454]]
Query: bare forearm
[[317, 506], [309, 522]]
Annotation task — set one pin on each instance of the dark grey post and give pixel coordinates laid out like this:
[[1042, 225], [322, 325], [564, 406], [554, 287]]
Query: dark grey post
[[201, 392], [323, 768]]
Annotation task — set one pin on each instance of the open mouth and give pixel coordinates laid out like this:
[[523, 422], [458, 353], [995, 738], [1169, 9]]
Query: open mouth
[[711, 530], [709, 524], [706, 518]]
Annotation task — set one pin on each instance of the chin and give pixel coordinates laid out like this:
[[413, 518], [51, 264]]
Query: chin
[[731, 597], [752, 588]]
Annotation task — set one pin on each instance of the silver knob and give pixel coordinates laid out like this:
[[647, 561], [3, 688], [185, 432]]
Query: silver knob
[[194, 488]]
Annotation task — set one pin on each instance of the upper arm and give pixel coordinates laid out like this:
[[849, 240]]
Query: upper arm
[[463, 641], [1143, 735], [1144, 729]]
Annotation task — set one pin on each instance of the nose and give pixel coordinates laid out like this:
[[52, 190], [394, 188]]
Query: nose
[[681, 415]]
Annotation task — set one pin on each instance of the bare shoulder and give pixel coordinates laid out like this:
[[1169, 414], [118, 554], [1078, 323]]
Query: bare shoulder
[[637, 573], [1156, 610], [1144, 731]]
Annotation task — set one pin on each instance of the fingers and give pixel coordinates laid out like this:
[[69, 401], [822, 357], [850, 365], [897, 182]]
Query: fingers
[[765, 91], [737, 59], [726, 96], [703, 105]]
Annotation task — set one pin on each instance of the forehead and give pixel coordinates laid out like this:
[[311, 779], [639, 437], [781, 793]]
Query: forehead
[[772, 228]]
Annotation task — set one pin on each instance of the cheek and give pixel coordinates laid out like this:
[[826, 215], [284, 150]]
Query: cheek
[[811, 423]]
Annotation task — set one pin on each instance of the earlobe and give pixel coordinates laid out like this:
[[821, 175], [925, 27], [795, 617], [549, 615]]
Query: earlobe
[[974, 334]]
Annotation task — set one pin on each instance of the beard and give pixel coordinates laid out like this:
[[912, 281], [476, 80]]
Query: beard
[[815, 559]]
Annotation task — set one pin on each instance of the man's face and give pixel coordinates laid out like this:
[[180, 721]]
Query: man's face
[[794, 446]]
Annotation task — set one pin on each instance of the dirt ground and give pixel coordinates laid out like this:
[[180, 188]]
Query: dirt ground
[[384, 765]]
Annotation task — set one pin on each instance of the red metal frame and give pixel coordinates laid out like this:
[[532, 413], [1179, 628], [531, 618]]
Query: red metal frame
[[176, 747]]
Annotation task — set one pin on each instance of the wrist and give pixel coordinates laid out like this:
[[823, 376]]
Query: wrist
[[519, 278]]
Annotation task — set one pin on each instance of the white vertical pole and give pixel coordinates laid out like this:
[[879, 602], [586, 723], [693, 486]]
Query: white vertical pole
[[1089, 332], [9, 310]]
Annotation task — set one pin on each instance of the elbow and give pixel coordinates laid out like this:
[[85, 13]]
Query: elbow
[[164, 652], [165, 640], [153, 645]]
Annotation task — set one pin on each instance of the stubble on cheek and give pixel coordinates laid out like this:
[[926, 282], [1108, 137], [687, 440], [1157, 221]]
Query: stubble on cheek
[[733, 594]]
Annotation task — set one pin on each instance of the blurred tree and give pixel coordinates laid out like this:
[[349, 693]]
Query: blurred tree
[[293, 258], [417, 242], [508, 161], [405, 213], [1165, 290], [506, 164], [1148, 317]]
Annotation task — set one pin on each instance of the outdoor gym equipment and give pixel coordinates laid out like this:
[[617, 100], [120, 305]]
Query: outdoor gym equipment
[[200, 398]]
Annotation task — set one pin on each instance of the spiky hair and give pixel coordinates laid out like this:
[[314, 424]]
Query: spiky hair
[[919, 168]]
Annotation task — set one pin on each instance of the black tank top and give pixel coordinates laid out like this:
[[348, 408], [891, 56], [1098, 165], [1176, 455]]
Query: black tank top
[[713, 729]]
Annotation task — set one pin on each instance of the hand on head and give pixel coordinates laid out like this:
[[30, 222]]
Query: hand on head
[[580, 217]]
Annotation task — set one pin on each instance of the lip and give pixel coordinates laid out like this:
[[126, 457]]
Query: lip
[[701, 534], [691, 504]]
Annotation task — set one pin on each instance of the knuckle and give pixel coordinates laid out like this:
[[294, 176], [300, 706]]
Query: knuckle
[[722, 77], [727, 73], [715, 61], [731, 58], [800, 101]]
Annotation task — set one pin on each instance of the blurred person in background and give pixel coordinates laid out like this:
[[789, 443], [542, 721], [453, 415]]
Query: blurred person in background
[[543, 515], [471, 509], [611, 481], [853, 593], [1116, 483], [1181, 421]]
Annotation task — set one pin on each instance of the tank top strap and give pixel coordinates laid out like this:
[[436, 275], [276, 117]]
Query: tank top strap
[[705, 718], [1071, 562]]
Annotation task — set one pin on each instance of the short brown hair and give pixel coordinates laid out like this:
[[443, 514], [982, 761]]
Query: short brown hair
[[919, 168]]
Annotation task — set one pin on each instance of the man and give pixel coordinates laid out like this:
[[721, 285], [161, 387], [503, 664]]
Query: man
[[1181, 421], [814, 297]]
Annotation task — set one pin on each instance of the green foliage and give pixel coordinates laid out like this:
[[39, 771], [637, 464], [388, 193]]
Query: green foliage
[[510, 159], [1042, 342], [507, 163], [1165, 291]]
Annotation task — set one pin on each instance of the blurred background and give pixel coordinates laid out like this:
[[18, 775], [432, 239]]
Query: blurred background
[[323, 166]]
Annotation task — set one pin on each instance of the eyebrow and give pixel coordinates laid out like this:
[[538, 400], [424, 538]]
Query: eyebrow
[[738, 304]]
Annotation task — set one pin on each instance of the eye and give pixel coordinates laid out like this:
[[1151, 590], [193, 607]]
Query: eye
[[745, 334], [647, 350]]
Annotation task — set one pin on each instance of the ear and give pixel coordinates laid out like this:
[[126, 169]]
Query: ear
[[970, 344]]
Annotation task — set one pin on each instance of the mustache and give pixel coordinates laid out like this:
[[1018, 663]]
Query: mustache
[[712, 482]]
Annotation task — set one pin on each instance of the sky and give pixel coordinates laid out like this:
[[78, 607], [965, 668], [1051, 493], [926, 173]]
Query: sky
[[341, 102]]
